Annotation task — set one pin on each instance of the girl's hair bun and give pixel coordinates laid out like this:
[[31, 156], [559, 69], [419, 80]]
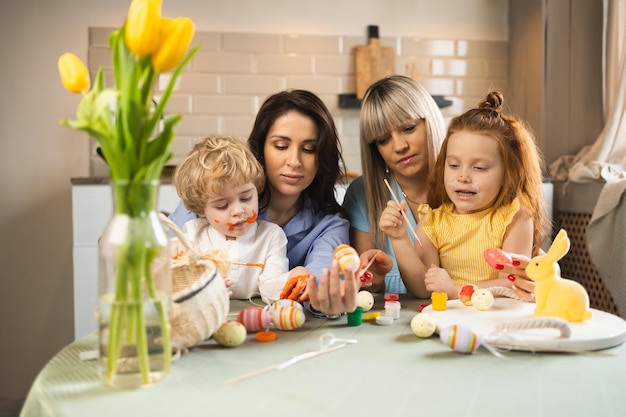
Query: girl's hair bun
[[493, 101]]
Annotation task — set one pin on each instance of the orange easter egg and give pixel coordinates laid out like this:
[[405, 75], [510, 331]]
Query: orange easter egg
[[347, 257], [465, 294]]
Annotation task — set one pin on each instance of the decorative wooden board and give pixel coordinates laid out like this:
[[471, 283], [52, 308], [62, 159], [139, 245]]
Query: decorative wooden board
[[371, 62], [602, 331]]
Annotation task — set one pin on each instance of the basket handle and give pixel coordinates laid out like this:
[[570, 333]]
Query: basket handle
[[192, 254]]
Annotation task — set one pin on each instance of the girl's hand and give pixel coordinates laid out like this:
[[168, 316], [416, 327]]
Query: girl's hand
[[391, 221], [438, 279], [334, 296]]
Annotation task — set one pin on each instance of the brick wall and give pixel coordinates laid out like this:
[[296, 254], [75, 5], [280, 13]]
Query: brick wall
[[223, 87]]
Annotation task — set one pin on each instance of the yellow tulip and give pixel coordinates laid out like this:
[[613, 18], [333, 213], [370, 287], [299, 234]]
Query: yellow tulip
[[143, 27], [177, 36], [74, 74]]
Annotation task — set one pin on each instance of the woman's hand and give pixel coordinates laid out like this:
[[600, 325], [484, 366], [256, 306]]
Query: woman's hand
[[523, 286], [391, 221], [334, 296], [382, 264]]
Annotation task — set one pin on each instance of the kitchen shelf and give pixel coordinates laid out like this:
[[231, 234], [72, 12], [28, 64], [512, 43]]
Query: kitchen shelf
[[349, 101]]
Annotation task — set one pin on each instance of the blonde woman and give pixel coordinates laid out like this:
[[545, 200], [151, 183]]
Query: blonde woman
[[401, 131]]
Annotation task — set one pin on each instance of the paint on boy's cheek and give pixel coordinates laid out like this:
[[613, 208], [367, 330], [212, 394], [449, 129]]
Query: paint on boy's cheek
[[216, 220], [252, 218]]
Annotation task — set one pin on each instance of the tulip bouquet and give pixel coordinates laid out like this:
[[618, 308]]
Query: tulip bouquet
[[135, 139]]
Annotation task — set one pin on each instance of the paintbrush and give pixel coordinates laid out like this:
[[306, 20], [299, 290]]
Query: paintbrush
[[406, 218]]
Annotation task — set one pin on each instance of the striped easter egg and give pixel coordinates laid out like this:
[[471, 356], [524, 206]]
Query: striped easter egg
[[283, 303], [460, 338], [347, 256], [254, 318], [288, 318]]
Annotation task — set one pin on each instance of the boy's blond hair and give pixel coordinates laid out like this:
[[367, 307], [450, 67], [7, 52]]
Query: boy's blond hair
[[213, 165]]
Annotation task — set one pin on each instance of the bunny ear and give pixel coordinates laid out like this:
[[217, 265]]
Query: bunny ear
[[559, 247]]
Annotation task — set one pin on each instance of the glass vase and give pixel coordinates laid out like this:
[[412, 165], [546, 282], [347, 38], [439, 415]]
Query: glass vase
[[134, 289]]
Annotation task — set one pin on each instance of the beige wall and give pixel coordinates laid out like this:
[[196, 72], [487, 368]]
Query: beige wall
[[232, 74]]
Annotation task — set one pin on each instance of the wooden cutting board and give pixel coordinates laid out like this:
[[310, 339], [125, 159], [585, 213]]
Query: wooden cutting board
[[371, 62]]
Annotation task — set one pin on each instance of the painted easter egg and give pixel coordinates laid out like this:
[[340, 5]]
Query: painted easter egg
[[495, 256], [482, 299], [288, 318], [230, 334], [347, 257], [465, 294], [365, 300], [460, 338], [254, 318], [283, 303], [423, 325]]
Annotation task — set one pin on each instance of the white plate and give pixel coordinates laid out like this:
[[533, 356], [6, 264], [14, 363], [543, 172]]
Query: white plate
[[602, 331]]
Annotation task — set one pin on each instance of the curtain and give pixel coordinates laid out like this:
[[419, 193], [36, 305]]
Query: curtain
[[605, 161]]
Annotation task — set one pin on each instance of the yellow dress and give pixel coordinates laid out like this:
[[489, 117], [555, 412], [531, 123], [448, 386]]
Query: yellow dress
[[461, 239]]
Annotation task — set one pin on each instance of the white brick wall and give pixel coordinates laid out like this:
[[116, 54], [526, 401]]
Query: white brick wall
[[222, 88]]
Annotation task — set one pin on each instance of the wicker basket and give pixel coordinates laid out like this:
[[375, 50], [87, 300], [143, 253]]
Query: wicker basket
[[200, 298]]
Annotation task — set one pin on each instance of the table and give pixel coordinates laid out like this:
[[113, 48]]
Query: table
[[389, 372]]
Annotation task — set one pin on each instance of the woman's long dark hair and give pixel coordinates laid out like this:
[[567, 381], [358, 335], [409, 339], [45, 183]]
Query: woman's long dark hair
[[331, 166]]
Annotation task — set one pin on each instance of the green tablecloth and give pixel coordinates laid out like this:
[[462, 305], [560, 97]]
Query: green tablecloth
[[389, 372]]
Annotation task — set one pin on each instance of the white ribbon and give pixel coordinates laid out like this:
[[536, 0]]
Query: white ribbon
[[328, 343]]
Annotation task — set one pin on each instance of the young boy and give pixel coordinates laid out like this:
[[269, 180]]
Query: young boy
[[220, 181]]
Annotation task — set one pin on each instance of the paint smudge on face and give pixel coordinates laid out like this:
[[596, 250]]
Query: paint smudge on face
[[216, 220], [251, 219]]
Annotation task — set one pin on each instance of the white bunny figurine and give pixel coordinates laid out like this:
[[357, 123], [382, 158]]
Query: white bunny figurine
[[556, 296]]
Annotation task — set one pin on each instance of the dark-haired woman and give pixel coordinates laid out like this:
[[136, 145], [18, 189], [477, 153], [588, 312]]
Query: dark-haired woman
[[295, 140]]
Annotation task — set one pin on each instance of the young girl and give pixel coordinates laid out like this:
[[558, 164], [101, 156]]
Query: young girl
[[486, 185], [220, 181]]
